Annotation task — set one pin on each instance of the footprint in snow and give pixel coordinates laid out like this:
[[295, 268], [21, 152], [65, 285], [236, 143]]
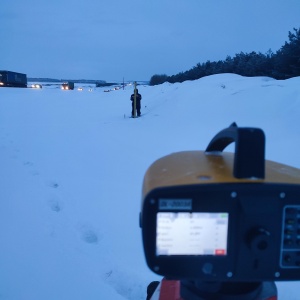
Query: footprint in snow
[[30, 166], [88, 235], [55, 203], [53, 184]]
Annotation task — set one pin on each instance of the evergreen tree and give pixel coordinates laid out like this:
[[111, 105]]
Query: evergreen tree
[[284, 64], [287, 60], [158, 79]]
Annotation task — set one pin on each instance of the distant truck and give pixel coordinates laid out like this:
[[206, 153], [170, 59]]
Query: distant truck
[[13, 79], [67, 86]]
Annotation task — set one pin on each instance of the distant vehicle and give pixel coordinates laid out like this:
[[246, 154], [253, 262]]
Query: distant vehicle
[[12, 79], [67, 86], [36, 86]]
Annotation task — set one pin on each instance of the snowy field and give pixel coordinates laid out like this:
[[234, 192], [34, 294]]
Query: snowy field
[[72, 165]]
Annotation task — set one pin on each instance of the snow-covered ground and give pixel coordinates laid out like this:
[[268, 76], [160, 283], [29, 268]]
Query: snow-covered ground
[[72, 165]]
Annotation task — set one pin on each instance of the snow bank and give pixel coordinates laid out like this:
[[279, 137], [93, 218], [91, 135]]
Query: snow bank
[[72, 165]]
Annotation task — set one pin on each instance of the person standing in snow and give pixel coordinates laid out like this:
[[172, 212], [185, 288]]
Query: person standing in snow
[[138, 102]]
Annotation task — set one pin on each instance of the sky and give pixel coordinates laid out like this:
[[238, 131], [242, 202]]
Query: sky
[[115, 39], [72, 169]]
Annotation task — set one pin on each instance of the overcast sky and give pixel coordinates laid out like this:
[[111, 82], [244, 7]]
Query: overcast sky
[[135, 39]]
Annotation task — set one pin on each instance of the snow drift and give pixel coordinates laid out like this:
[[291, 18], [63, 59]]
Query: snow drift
[[72, 165]]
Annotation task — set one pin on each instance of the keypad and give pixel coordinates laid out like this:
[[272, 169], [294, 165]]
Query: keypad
[[290, 249]]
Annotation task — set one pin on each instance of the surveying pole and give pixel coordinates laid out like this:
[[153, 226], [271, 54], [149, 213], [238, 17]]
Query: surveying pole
[[134, 101]]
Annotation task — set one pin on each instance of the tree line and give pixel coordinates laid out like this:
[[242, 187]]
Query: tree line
[[283, 64]]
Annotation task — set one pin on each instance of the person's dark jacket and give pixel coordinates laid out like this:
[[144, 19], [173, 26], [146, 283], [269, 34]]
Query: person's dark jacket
[[138, 98], [138, 103]]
